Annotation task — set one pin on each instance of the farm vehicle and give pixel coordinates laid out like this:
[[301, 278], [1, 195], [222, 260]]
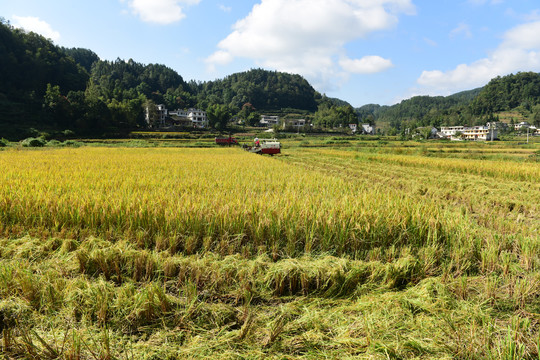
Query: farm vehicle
[[226, 141], [264, 146]]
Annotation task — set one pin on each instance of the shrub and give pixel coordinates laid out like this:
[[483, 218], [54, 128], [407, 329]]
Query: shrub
[[72, 143], [54, 143], [68, 133], [33, 142]]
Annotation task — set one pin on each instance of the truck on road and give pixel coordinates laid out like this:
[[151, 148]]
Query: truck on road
[[226, 140]]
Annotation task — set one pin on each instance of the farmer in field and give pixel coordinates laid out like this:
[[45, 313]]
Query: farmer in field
[[257, 142]]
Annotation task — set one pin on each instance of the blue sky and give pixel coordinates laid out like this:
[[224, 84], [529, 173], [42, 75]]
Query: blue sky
[[361, 51]]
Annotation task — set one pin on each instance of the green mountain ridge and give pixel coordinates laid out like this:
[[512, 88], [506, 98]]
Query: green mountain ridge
[[44, 86], [518, 92]]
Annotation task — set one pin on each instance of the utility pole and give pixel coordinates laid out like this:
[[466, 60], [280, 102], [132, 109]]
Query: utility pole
[[527, 135]]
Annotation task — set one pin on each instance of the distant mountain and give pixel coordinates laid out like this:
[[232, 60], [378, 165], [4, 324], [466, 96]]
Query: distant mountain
[[333, 101], [370, 111], [465, 96], [516, 93], [422, 110], [51, 88]]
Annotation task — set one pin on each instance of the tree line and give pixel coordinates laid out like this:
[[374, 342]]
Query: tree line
[[515, 92], [46, 86]]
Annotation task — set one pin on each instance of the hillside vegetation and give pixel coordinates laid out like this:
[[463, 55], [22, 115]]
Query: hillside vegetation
[[52, 89], [517, 94], [48, 87]]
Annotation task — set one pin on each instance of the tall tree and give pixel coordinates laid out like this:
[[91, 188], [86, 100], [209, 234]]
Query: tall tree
[[218, 116]]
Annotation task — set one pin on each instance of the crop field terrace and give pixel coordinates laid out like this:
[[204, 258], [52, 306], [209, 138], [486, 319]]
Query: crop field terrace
[[334, 249]]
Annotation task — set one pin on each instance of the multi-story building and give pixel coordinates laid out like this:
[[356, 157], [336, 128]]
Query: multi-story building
[[470, 133], [161, 116], [295, 123], [449, 131], [197, 117], [479, 133], [269, 121]]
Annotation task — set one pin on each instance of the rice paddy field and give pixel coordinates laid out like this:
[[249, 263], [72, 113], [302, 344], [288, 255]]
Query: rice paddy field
[[335, 249]]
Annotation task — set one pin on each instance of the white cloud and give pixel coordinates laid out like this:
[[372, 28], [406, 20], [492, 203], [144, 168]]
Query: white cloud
[[519, 51], [430, 42], [218, 58], [224, 8], [367, 65], [36, 25], [160, 11], [461, 29], [533, 16], [483, 2], [306, 36]]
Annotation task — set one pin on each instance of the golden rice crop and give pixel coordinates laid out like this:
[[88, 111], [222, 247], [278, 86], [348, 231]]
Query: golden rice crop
[[521, 171], [210, 199], [205, 253]]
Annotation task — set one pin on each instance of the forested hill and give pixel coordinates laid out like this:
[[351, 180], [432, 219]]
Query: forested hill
[[515, 93], [50, 88], [29, 62], [423, 110], [47, 87], [520, 91], [265, 90]]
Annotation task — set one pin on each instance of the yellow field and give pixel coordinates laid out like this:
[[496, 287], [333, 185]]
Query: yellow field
[[185, 252], [208, 198]]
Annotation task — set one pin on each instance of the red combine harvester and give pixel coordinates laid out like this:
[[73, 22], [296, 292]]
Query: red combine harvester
[[265, 146], [226, 141]]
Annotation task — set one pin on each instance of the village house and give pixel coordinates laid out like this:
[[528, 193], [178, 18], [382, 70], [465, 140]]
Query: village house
[[449, 131], [191, 117], [198, 117], [269, 121], [180, 118], [484, 133], [161, 116], [365, 129], [521, 126], [479, 133], [294, 123]]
